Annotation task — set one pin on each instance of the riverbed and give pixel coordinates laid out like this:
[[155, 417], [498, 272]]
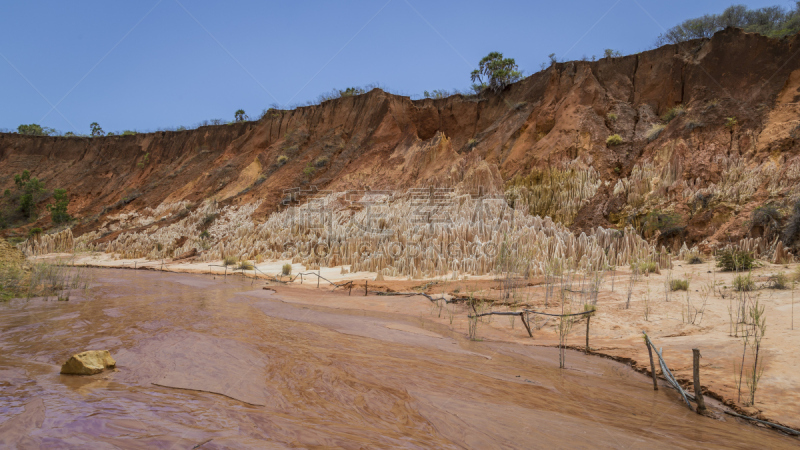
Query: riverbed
[[222, 362]]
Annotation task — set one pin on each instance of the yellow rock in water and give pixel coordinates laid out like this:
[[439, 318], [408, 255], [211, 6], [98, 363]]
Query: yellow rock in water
[[88, 363]]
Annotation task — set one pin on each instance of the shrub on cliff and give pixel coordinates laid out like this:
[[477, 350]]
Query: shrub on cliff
[[773, 21], [673, 113], [655, 131], [35, 130], [614, 139], [96, 130], [31, 190], [58, 210], [309, 170], [498, 71]]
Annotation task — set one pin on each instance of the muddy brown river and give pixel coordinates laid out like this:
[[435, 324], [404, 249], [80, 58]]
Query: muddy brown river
[[222, 363]]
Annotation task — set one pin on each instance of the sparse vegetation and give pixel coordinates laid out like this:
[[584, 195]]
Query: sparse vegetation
[[96, 130], [29, 191], [309, 170], [694, 258], [694, 124], [322, 161], [612, 117], [655, 131], [229, 261], [613, 140], [286, 269], [644, 267], [498, 71], [36, 130], [611, 53], [347, 92], [436, 94], [245, 265], [669, 224], [679, 285], [58, 210], [672, 113], [208, 220], [143, 160], [731, 122], [779, 281], [744, 283], [240, 116], [768, 218], [773, 21], [281, 160], [792, 228], [733, 260]]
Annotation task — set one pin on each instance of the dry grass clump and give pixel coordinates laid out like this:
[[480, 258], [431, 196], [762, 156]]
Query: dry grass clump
[[614, 139], [229, 261], [679, 285], [673, 113], [779, 281], [644, 267], [744, 283], [282, 159], [286, 269], [12, 273], [694, 258], [655, 131], [245, 265]]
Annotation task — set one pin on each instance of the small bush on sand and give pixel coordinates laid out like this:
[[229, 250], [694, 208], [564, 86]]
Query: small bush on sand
[[735, 260], [779, 281], [644, 267], [695, 258], [245, 265], [286, 269], [229, 261], [614, 139], [743, 283], [679, 285]]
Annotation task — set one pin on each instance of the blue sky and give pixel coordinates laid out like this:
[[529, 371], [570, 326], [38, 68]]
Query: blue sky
[[160, 64]]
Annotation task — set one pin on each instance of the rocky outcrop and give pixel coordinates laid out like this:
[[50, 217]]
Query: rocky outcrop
[[88, 363]]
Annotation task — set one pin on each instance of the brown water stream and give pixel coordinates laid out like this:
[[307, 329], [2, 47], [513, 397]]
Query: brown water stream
[[227, 364]]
